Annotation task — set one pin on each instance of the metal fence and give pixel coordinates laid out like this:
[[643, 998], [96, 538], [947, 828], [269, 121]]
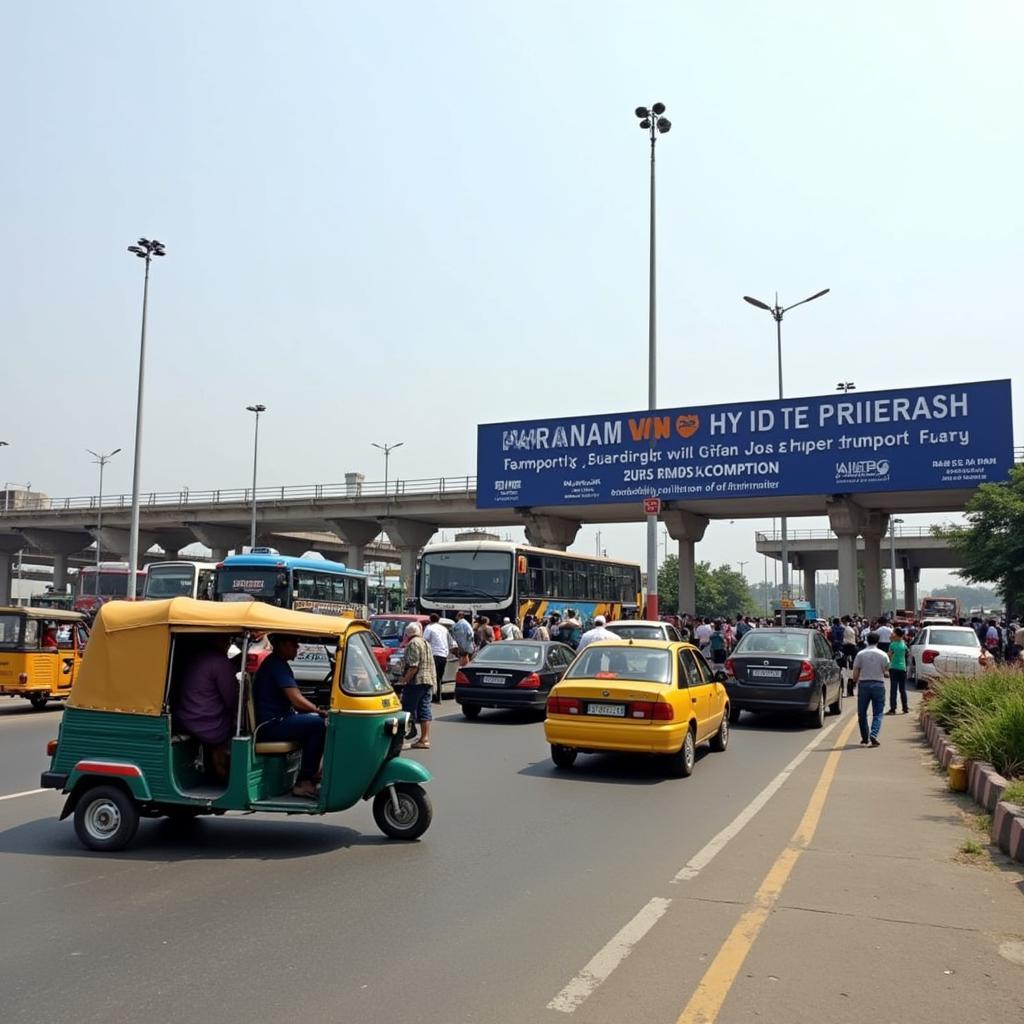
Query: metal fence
[[776, 536], [455, 486]]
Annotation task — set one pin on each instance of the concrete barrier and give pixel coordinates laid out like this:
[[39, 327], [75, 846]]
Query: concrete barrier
[[986, 786]]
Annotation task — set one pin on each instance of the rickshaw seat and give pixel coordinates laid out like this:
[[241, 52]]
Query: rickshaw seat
[[267, 746], [277, 747]]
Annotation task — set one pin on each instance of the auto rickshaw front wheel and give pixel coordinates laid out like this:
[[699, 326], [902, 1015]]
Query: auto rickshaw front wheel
[[106, 818], [407, 815]]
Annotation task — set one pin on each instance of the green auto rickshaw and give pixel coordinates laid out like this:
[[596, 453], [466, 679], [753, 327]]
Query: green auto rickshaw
[[118, 755]]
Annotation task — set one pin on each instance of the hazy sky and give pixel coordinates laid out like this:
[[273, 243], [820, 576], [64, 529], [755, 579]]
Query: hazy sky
[[391, 222]]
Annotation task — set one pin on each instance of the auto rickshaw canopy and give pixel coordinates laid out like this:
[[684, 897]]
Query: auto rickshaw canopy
[[127, 657], [49, 614]]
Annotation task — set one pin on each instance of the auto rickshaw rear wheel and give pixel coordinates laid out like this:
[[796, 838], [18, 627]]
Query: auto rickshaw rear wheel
[[410, 819], [106, 818], [39, 700]]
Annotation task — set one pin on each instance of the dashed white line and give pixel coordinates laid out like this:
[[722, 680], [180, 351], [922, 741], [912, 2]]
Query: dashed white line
[[609, 957], [621, 944], [27, 792], [707, 854]]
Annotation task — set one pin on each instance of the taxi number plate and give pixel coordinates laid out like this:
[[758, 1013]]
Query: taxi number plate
[[493, 680], [614, 710]]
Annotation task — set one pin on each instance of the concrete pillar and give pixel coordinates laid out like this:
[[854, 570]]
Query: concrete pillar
[[218, 554], [409, 536], [550, 531], [911, 578], [116, 541], [356, 533], [60, 573], [873, 530], [6, 565], [846, 520], [688, 529], [810, 585]]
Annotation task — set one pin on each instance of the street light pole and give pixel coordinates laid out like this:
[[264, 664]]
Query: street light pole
[[257, 409], [893, 521], [653, 121], [146, 249], [101, 461], [387, 449], [777, 313]]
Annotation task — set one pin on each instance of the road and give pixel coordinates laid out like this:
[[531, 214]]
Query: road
[[537, 895]]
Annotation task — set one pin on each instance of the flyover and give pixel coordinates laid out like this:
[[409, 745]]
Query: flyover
[[914, 547], [343, 519]]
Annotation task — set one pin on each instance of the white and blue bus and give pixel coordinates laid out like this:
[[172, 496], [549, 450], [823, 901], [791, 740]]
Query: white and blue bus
[[303, 584], [499, 578]]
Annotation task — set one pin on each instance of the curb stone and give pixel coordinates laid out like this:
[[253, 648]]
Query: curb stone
[[985, 786]]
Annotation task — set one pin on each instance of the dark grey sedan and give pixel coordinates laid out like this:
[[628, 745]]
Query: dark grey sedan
[[511, 674], [784, 669]]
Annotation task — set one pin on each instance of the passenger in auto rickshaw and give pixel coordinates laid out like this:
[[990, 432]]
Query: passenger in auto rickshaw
[[207, 702]]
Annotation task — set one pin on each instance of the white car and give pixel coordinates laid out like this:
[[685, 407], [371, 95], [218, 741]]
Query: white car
[[643, 629], [940, 650]]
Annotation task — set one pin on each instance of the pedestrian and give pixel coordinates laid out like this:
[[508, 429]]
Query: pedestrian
[[718, 644], [870, 670], [419, 680], [462, 631], [439, 640], [884, 631], [897, 670], [702, 634], [597, 633], [510, 630], [483, 634], [571, 629], [540, 631], [743, 626]]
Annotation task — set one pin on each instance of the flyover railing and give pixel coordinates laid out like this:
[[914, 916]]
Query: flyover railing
[[445, 485], [825, 534]]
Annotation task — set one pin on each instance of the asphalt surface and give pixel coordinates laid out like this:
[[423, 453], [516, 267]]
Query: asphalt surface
[[530, 883]]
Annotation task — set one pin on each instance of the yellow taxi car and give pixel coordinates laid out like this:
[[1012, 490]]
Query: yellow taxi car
[[640, 696]]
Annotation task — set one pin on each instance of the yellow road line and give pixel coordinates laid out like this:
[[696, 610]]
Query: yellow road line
[[706, 1003]]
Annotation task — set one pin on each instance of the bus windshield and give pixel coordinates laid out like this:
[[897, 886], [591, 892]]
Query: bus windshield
[[468, 576], [253, 584], [170, 581]]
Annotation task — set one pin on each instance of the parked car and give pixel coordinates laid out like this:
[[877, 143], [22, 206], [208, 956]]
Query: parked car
[[643, 629], [644, 697], [784, 669], [511, 674], [944, 650]]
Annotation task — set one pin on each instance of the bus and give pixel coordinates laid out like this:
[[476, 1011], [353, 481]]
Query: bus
[[788, 612], [303, 584], [502, 578], [109, 582], [179, 579], [940, 608]]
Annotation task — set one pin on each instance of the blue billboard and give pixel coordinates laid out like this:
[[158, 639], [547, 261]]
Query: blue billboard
[[912, 439]]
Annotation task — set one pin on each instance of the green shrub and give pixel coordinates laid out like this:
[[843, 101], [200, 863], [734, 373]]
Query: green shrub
[[957, 697], [994, 733], [1014, 793]]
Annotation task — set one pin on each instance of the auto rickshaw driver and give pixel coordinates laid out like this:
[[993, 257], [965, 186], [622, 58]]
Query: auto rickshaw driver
[[283, 713]]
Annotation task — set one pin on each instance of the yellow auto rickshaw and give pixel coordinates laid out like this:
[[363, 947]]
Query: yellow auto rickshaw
[[40, 652], [122, 754]]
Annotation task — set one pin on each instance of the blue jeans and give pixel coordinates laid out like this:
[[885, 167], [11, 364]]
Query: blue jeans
[[416, 700], [897, 684], [870, 692], [308, 729]]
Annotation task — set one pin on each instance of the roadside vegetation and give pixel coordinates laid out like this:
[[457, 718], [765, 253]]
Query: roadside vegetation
[[984, 716]]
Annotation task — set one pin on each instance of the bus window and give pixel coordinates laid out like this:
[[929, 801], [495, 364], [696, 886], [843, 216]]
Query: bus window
[[357, 589]]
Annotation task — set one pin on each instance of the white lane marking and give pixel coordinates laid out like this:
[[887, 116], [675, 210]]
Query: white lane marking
[[608, 958], [27, 792], [707, 854]]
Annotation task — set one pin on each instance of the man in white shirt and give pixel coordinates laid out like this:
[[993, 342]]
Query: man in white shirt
[[510, 631], [597, 633], [437, 637], [870, 671], [702, 634], [884, 631]]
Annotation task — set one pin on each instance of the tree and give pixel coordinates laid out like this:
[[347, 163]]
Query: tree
[[992, 544], [721, 591]]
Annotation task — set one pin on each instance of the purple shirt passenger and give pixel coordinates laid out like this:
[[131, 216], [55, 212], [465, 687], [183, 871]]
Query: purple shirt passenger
[[208, 698]]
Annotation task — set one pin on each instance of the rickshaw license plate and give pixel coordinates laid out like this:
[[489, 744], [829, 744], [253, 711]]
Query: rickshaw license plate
[[614, 710], [493, 680]]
